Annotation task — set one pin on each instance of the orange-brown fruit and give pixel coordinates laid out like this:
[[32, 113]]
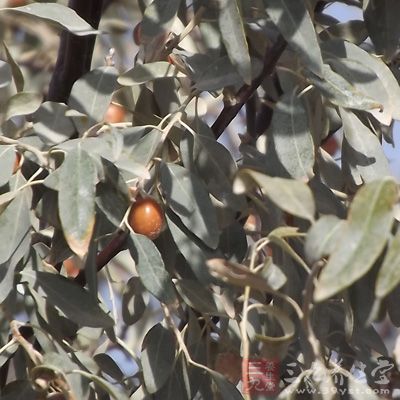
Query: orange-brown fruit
[[137, 34], [17, 162], [229, 365], [71, 266], [16, 3], [331, 146], [114, 114], [146, 217]]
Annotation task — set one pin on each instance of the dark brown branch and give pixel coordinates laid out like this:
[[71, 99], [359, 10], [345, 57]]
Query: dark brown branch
[[229, 112], [75, 52], [115, 245]]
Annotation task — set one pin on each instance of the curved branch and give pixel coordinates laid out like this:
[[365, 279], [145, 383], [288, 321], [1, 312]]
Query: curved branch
[[229, 112]]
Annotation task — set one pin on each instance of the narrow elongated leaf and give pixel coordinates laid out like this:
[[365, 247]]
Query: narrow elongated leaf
[[142, 73], [383, 26], [111, 389], [57, 15], [227, 390], [195, 256], [292, 196], [51, 124], [7, 159], [13, 232], [158, 354], [76, 199], [365, 80], [323, 237], [151, 268], [91, 95], [389, 273], [341, 92], [214, 164], [16, 71], [5, 74], [291, 136], [295, 24], [188, 198], [342, 49], [74, 301], [365, 152], [234, 37], [363, 238], [22, 103]]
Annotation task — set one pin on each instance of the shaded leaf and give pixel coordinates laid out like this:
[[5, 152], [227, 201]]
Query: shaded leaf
[[151, 269], [142, 73], [295, 24], [110, 388], [91, 95], [16, 71], [75, 302], [367, 230], [384, 30], [197, 296], [365, 152], [291, 136], [214, 163], [188, 198], [57, 15], [51, 124], [5, 74], [227, 390], [292, 196], [234, 37], [76, 199], [158, 354], [133, 305]]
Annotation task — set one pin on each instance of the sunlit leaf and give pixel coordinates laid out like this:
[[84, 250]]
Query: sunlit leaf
[[57, 15], [76, 199], [389, 274], [291, 137], [234, 37], [363, 238], [292, 196], [295, 24], [188, 198]]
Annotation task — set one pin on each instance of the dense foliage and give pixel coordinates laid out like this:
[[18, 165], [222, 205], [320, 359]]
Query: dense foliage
[[266, 246]]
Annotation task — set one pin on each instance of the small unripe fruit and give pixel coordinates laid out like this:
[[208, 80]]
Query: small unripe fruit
[[114, 114], [146, 217]]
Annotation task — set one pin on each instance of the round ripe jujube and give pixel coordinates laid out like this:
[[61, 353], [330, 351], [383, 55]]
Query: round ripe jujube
[[146, 217], [114, 114]]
